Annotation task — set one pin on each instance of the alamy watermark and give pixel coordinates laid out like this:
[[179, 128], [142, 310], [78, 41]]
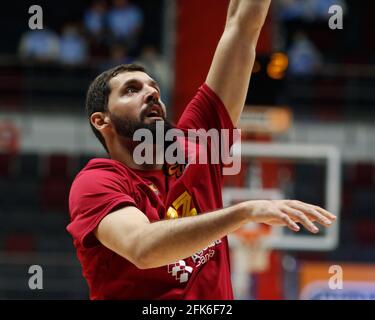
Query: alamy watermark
[[36, 280], [192, 146], [336, 281], [36, 19], [336, 21]]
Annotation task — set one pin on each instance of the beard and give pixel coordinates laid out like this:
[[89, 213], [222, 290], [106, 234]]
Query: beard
[[126, 127]]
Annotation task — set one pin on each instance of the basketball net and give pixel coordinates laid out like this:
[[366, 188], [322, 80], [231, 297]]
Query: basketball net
[[250, 255], [251, 242]]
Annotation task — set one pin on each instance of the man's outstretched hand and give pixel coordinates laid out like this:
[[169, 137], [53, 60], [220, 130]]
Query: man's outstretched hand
[[289, 213]]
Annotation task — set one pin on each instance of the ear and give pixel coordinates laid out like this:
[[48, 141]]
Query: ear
[[99, 120]]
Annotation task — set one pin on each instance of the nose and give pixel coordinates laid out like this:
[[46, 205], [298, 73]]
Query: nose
[[152, 94]]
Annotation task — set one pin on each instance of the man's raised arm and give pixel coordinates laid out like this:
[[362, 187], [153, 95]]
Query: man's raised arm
[[231, 68]]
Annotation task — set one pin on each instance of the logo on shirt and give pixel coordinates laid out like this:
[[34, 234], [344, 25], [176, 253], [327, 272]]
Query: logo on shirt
[[180, 271], [182, 207], [203, 256]]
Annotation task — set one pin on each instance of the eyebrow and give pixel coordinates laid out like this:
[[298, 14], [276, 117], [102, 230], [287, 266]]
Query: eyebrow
[[152, 82]]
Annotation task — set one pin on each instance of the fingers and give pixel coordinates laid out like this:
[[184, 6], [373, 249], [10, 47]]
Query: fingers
[[289, 222], [321, 216], [300, 217], [291, 212], [325, 213]]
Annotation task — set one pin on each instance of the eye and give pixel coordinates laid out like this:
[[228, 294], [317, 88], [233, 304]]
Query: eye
[[131, 89]]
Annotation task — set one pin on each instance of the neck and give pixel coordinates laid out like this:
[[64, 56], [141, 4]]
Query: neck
[[124, 152]]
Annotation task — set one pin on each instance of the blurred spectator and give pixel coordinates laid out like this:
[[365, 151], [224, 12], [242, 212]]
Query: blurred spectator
[[291, 9], [39, 46], [118, 55], [304, 58], [94, 21], [307, 10], [94, 18], [73, 47], [320, 7], [125, 22], [155, 65]]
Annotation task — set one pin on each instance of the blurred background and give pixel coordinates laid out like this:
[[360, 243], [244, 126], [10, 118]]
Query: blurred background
[[308, 133]]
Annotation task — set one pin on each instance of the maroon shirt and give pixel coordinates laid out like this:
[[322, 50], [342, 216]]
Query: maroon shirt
[[105, 185]]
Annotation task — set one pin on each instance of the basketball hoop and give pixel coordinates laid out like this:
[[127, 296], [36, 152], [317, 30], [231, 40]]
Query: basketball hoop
[[250, 255], [254, 253]]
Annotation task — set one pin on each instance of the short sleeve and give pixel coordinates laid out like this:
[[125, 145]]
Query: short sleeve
[[93, 195], [205, 111]]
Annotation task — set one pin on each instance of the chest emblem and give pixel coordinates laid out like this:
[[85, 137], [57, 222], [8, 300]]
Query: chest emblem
[[182, 207]]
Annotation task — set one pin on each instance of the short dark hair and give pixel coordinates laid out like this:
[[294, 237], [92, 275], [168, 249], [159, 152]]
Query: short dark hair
[[99, 91]]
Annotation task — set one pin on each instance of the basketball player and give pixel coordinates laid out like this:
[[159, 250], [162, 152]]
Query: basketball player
[[159, 231]]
